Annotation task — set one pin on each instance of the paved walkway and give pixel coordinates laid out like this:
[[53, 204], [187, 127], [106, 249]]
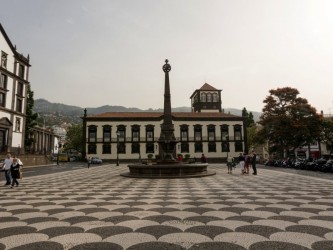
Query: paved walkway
[[98, 209]]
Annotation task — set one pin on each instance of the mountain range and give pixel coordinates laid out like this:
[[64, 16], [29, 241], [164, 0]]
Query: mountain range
[[57, 113]]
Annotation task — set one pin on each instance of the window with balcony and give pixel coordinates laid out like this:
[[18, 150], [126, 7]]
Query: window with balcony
[[3, 82], [20, 88], [121, 131], [149, 133], [211, 133], [238, 132], [184, 133], [92, 133], [211, 138], [21, 71], [224, 133], [135, 133], [2, 99], [19, 105], [197, 133], [107, 133]]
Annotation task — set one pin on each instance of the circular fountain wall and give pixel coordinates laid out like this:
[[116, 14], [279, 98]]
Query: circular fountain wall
[[161, 171]]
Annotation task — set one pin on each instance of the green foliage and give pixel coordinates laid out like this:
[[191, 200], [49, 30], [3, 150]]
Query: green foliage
[[31, 118], [249, 118], [150, 156], [327, 132], [74, 138], [251, 136], [288, 121]]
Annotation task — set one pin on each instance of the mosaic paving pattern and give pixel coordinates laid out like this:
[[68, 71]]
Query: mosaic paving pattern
[[98, 209]]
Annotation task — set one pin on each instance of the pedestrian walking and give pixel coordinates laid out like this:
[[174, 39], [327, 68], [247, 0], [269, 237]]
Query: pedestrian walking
[[241, 160], [254, 162], [15, 170], [89, 162], [230, 164], [6, 167], [247, 164]]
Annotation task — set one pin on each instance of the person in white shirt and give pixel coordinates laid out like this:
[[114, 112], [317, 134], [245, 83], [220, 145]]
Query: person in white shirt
[[241, 160], [6, 166]]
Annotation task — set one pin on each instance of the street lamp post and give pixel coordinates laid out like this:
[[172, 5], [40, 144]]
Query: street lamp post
[[58, 154], [227, 138], [117, 148]]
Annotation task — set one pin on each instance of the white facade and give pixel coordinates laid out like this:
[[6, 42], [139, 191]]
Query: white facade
[[60, 132], [135, 132], [14, 72]]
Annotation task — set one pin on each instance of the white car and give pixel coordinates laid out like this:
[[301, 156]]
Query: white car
[[96, 160]]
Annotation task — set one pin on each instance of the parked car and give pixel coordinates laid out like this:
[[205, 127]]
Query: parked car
[[96, 160], [54, 158], [72, 158], [63, 157]]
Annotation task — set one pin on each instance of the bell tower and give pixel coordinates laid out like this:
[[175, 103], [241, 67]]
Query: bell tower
[[206, 99]]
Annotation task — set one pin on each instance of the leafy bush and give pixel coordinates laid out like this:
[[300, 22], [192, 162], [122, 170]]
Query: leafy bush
[[150, 156]]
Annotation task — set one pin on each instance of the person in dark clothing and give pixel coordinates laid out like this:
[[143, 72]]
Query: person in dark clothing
[[15, 172], [254, 161], [203, 158], [89, 162]]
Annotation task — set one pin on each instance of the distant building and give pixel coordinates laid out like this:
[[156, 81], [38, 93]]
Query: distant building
[[14, 79], [60, 132], [134, 135], [45, 141]]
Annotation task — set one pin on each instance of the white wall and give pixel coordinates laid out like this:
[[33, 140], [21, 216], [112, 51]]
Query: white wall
[[157, 132]]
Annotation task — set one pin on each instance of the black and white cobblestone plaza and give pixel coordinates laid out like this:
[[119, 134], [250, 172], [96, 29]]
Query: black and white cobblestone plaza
[[96, 208]]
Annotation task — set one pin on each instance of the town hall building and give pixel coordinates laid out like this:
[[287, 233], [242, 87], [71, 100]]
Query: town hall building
[[130, 136]]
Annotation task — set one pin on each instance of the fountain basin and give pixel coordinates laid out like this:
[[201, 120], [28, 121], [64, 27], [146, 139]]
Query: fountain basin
[[166, 171]]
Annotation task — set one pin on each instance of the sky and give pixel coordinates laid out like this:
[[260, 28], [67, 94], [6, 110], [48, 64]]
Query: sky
[[90, 53]]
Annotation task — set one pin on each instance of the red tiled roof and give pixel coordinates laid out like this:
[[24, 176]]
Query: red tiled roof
[[201, 115], [156, 115], [128, 115], [207, 87]]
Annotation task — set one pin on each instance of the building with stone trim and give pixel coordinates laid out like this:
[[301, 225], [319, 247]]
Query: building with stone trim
[[14, 79], [134, 135]]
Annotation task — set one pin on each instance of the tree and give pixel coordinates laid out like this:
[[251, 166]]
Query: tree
[[30, 121], [249, 118], [74, 138], [250, 127], [251, 136], [327, 133], [288, 121]]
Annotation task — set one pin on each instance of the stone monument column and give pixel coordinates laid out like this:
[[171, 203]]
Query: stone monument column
[[167, 140]]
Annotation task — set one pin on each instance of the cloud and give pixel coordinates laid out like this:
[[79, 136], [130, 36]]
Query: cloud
[[69, 21]]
